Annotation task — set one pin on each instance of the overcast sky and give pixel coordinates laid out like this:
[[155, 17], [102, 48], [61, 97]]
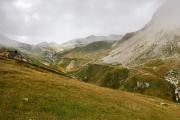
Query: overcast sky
[[34, 21]]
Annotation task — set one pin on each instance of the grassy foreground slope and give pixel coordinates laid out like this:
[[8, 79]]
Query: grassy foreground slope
[[55, 97]]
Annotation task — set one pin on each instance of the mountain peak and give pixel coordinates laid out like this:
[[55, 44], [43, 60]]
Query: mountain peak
[[159, 39], [167, 16]]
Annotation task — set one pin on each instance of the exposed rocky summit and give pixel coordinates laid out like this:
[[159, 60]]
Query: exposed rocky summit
[[158, 39]]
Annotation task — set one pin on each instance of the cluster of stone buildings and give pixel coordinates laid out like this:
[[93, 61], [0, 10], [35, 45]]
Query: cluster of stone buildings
[[11, 54]]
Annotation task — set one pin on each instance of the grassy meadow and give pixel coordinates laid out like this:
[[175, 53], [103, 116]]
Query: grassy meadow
[[31, 93]]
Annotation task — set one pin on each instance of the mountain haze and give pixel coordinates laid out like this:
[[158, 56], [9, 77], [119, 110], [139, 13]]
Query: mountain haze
[[90, 39], [159, 38]]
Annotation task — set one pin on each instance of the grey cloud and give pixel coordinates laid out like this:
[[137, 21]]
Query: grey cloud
[[60, 20]]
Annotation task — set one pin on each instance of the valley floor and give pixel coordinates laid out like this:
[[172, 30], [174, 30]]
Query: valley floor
[[30, 93]]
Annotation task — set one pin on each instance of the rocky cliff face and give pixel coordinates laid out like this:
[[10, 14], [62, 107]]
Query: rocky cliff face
[[158, 39]]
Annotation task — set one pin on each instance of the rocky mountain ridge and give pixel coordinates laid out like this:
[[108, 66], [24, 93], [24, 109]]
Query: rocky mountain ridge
[[158, 39], [88, 40]]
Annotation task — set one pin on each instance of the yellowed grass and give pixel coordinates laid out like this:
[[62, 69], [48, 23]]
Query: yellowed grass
[[55, 97]]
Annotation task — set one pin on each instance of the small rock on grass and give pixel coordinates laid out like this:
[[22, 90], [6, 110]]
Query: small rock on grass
[[25, 99]]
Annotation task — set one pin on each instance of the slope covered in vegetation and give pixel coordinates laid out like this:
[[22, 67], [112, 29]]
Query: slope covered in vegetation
[[147, 79], [29, 92]]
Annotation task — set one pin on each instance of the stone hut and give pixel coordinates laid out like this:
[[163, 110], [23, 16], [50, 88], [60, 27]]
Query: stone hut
[[15, 55]]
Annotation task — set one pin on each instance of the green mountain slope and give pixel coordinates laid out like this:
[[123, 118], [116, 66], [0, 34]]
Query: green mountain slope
[[153, 74], [103, 75], [95, 50], [28, 92], [147, 79], [81, 56]]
